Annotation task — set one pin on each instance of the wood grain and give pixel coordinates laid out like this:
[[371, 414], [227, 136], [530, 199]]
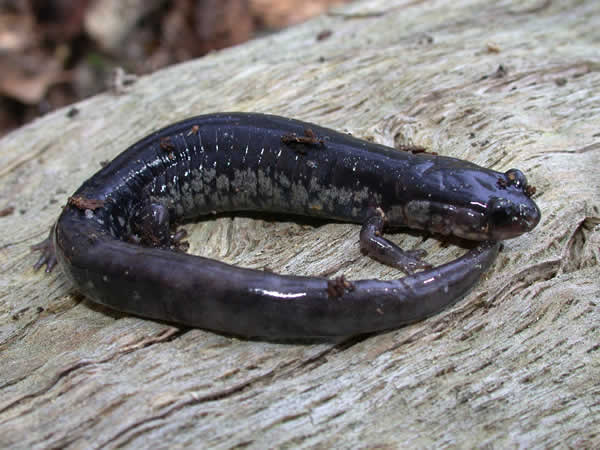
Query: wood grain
[[515, 364]]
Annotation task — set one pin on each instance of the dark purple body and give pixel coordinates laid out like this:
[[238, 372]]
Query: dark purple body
[[237, 162]]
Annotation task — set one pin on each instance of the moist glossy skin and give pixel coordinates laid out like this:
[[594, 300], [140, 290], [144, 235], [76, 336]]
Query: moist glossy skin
[[253, 162]]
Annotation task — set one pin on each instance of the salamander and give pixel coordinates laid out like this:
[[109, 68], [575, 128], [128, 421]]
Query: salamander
[[114, 239]]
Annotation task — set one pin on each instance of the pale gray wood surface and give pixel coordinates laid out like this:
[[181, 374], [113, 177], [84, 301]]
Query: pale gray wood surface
[[516, 363]]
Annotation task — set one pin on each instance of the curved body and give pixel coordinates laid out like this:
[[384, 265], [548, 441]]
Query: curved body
[[235, 162]]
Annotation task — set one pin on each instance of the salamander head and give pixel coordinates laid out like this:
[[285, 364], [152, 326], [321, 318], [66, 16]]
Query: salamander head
[[511, 212], [504, 212], [488, 206]]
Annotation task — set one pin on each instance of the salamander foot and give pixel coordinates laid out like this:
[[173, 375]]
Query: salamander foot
[[48, 253], [372, 243]]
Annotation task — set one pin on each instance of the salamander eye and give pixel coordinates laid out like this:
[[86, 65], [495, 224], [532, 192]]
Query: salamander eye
[[516, 178], [501, 212]]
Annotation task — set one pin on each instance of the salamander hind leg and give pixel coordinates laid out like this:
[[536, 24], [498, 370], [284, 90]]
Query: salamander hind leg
[[372, 243], [151, 227], [48, 252]]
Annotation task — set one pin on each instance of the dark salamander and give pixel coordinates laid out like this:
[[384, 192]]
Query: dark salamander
[[114, 242]]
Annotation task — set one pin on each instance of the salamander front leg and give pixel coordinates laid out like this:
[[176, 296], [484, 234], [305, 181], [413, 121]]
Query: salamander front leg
[[372, 243]]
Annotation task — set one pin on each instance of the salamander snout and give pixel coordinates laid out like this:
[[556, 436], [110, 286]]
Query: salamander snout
[[509, 218]]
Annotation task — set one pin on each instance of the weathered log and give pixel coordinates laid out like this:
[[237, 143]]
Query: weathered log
[[516, 363]]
